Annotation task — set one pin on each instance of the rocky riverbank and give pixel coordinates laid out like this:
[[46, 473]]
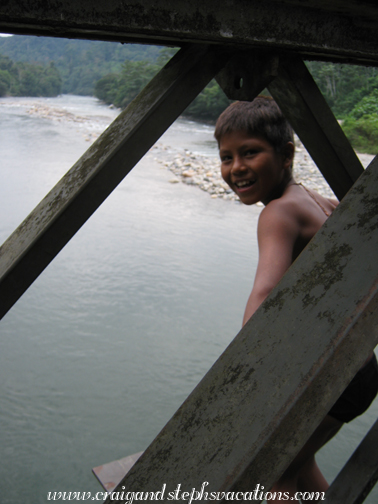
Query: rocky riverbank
[[204, 172], [186, 167]]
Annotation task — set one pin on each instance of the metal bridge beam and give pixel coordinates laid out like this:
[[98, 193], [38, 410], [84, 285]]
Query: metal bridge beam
[[305, 108], [262, 399], [35, 243], [340, 30]]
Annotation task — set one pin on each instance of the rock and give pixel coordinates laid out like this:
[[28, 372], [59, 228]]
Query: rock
[[188, 173], [204, 172]]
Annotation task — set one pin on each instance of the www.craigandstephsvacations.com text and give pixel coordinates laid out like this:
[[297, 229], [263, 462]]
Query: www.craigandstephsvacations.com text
[[125, 497]]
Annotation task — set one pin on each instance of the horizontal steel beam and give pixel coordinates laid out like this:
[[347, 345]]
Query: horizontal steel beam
[[269, 390], [42, 235], [333, 29]]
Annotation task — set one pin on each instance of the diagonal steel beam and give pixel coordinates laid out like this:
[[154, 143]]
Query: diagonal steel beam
[[269, 390], [82, 190], [304, 106]]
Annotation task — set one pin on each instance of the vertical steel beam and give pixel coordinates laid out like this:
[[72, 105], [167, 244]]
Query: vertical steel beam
[[304, 106], [247, 74], [81, 191]]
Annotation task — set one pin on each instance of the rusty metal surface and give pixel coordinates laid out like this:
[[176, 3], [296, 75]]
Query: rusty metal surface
[[263, 398], [359, 474], [41, 236], [109, 475], [326, 29]]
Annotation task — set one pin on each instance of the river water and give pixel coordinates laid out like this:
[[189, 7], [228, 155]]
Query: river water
[[106, 344]]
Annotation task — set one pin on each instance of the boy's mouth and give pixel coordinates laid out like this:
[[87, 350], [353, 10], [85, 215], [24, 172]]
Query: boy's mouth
[[244, 184]]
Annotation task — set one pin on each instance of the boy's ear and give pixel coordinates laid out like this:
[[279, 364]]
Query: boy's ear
[[288, 154]]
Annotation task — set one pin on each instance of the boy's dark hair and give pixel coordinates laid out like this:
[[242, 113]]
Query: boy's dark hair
[[260, 117]]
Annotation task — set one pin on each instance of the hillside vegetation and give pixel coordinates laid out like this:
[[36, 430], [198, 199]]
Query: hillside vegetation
[[351, 92], [115, 73], [80, 63], [25, 79]]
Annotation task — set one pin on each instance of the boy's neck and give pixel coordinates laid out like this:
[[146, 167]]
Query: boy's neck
[[280, 189]]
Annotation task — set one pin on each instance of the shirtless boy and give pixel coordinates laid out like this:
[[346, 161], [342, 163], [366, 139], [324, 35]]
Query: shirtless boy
[[256, 149]]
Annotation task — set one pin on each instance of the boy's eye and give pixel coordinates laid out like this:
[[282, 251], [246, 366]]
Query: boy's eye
[[225, 158], [250, 152]]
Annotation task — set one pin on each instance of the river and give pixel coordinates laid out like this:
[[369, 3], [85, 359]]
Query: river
[[106, 344]]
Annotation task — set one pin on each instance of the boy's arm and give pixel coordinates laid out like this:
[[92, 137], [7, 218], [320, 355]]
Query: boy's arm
[[334, 201], [277, 232]]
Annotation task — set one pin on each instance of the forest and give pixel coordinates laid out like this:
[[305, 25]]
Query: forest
[[115, 73], [25, 79], [80, 63], [350, 91]]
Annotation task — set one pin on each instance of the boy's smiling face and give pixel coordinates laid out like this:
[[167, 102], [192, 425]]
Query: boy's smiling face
[[252, 168]]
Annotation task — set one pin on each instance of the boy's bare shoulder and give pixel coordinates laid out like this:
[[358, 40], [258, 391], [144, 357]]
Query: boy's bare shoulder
[[295, 215], [282, 210], [280, 216]]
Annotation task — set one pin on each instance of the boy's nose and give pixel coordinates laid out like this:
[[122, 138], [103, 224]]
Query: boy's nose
[[238, 165]]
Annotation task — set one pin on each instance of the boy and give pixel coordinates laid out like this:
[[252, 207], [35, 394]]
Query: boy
[[256, 149]]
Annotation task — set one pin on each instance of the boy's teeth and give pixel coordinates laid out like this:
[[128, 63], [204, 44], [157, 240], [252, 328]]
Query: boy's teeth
[[244, 183]]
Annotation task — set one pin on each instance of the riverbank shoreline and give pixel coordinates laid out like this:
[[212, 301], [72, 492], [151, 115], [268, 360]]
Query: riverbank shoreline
[[186, 166]]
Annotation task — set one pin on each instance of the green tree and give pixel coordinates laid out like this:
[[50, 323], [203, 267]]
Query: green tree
[[7, 75], [25, 79], [134, 77], [81, 63], [29, 80], [361, 125], [121, 88], [343, 86], [5, 82], [209, 104], [106, 88]]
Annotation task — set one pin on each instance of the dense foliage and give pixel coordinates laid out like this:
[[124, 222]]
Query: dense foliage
[[115, 73], [209, 104], [343, 86], [25, 79], [120, 88], [352, 93], [361, 125], [81, 63]]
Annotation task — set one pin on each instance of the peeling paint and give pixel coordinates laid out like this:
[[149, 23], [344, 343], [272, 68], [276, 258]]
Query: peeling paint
[[277, 300], [369, 219]]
